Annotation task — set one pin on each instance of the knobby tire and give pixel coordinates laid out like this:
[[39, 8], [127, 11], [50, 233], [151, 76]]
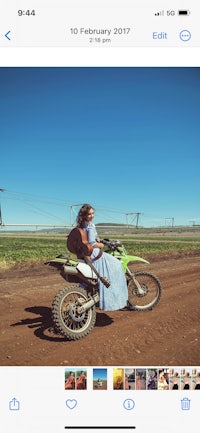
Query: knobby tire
[[64, 323], [141, 303]]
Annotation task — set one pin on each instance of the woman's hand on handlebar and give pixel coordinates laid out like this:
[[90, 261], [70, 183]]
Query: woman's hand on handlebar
[[98, 244]]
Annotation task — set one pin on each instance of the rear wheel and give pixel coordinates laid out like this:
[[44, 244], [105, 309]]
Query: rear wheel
[[65, 313], [145, 292]]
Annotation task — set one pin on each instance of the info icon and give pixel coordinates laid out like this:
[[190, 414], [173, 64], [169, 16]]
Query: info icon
[[129, 404]]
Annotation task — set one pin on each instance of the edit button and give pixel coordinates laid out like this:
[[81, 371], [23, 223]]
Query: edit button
[[160, 35]]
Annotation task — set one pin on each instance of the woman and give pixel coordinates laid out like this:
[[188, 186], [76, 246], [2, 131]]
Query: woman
[[162, 382], [186, 381], [70, 383], [127, 386], [197, 381], [138, 381], [81, 381], [116, 295], [175, 381]]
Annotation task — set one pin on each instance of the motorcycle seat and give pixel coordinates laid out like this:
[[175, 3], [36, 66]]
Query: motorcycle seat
[[65, 256]]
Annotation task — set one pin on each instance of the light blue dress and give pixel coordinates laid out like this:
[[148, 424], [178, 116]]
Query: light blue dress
[[115, 296]]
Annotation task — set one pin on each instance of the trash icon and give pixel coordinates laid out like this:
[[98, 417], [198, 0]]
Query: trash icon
[[185, 404]]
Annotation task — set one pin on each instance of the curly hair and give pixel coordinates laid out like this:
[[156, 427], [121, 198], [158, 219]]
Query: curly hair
[[83, 212]]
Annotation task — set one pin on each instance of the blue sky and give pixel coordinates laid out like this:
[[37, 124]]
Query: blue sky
[[100, 373], [123, 139]]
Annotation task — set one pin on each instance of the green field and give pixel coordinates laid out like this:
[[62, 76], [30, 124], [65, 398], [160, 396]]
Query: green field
[[23, 247]]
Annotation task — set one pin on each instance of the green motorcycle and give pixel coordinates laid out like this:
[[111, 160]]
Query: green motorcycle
[[74, 307]]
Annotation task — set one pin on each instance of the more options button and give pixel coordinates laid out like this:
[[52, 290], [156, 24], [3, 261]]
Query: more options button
[[160, 35], [185, 35]]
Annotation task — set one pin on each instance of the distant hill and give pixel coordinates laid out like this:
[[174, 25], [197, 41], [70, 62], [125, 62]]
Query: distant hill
[[113, 224]]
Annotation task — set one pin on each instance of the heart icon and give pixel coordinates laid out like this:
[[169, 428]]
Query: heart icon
[[71, 404]]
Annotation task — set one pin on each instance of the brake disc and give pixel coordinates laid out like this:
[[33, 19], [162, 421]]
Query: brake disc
[[74, 315], [144, 291]]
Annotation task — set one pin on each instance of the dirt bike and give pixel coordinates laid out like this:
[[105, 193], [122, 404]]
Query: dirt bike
[[73, 308]]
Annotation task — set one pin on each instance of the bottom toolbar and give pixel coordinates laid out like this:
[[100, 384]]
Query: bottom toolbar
[[57, 399]]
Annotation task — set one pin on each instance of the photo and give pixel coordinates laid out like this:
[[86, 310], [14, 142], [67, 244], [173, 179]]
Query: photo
[[70, 376], [81, 379], [186, 379], [175, 378], [129, 378], [100, 218], [195, 377], [152, 378], [100, 378], [140, 379], [163, 379], [118, 378]]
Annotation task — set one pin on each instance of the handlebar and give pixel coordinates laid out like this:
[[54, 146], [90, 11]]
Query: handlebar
[[113, 245]]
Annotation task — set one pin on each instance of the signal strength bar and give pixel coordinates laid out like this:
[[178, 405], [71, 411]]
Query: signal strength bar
[[160, 13]]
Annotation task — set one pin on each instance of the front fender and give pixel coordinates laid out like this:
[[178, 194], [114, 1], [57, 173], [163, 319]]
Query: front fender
[[128, 259], [125, 259], [135, 259]]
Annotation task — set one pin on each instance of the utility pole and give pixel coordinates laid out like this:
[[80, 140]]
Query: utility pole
[[170, 219], [1, 222], [127, 214], [136, 217]]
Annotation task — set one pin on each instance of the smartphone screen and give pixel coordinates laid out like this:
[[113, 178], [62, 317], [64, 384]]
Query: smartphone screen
[[99, 216]]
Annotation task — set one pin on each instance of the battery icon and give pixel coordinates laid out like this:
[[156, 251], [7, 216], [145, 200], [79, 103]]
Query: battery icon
[[184, 12]]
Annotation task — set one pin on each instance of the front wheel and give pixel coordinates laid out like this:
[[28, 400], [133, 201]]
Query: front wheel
[[144, 291], [66, 317]]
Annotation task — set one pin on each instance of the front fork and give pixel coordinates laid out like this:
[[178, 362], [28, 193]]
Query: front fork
[[131, 276]]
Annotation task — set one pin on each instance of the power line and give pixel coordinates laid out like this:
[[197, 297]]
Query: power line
[[30, 201], [136, 217], [60, 201], [170, 220]]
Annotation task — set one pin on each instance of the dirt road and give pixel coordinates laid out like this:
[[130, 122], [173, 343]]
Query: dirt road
[[166, 336]]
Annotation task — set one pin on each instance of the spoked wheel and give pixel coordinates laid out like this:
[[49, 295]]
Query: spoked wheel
[[145, 292], [67, 319]]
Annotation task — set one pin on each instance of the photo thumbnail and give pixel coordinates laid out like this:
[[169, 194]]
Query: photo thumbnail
[[100, 378], [75, 379]]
